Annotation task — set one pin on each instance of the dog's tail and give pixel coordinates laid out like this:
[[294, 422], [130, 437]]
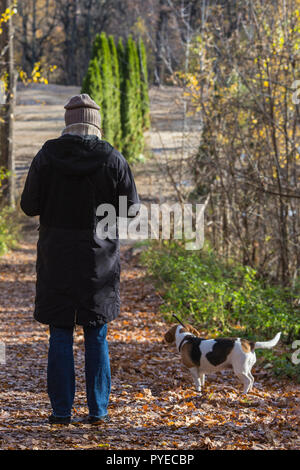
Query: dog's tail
[[267, 344]]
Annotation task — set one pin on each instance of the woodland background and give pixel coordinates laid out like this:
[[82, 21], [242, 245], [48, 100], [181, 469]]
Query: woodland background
[[224, 131], [238, 63]]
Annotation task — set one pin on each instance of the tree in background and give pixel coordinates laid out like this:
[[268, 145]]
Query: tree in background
[[61, 32], [145, 104], [248, 158], [7, 84], [92, 83], [9, 15], [138, 87], [116, 94], [121, 60], [122, 77], [36, 26], [132, 134], [103, 56]]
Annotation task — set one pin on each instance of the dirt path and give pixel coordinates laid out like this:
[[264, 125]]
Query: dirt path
[[153, 403]]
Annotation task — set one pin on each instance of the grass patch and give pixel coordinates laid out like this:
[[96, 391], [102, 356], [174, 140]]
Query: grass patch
[[9, 229], [224, 299], [9, 221]]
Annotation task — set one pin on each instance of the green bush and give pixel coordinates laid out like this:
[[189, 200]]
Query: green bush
[[223, 299], [9, 226], [9, 229]]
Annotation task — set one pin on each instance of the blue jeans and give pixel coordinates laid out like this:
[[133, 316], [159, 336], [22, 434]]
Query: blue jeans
[[61, 373]]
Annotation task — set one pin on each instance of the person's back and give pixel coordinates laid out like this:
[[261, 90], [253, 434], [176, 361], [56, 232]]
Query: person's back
[[78, 273]]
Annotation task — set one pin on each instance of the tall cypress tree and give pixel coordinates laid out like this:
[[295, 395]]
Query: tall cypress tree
[[138, 95], [96, 46], [144, 85], [117, 131], [117, 80], [121, 60], [102, 54], [92, 83], [133, 141]]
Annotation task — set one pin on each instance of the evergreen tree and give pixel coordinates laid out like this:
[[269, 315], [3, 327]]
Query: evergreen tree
[[133, 141], [138, 93], [116, 100], [144, 85], [92, 83], [101, 51], [121, 60], [117, 80], [96, 47]]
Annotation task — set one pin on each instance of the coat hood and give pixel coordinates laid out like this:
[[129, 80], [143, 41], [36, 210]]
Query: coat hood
[[76, 154]]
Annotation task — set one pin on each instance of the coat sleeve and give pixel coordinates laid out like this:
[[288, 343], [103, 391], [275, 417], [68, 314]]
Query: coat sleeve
[[30, 198], [126, 187]]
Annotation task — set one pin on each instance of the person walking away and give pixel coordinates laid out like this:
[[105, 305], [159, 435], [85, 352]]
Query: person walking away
[[78, 272]]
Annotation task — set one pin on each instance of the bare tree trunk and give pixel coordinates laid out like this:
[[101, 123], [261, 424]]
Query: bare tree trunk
[[33, 32], [7, 108], [25, 55], [88, 31], [163, 16]]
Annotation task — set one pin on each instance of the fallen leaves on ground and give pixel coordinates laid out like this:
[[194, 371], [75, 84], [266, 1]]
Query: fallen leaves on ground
[[153, 403]]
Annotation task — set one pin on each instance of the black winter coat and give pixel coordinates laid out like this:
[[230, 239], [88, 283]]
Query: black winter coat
[[78, 274]]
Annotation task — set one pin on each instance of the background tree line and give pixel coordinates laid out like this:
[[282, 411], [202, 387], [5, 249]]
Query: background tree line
[[237, 62], [241, 73], [61, 32]]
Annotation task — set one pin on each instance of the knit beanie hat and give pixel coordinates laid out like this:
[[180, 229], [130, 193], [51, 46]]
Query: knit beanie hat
[[82, 109]]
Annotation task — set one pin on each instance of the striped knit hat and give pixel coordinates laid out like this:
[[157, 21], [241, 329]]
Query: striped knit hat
[[82, 109]]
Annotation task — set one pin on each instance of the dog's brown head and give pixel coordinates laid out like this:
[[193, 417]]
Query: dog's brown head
[[170, 334]]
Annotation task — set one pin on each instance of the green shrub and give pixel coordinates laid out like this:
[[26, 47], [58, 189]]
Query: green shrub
[[224, 299], [9, 229], [280, 364], [9, 226]]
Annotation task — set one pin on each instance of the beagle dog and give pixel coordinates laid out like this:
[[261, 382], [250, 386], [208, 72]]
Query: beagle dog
[[202, 356]]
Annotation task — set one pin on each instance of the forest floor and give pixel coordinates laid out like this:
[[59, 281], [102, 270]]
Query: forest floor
[[153, 402]]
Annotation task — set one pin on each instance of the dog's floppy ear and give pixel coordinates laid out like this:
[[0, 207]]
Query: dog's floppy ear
[[192, 330], [170, 335]]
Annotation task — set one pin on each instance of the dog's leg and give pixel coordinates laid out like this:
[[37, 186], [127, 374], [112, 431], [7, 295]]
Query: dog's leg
[[202, 379], [251, 378], [250, 365], [195, 373], [246, 381], [242, 369]]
